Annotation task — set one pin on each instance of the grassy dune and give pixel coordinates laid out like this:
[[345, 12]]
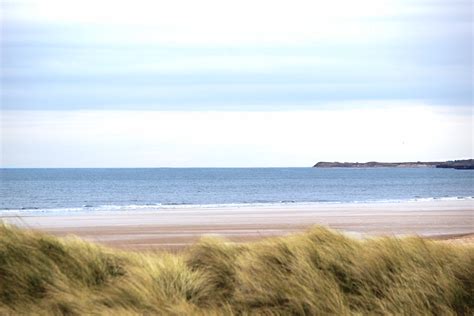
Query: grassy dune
[[318, 272]]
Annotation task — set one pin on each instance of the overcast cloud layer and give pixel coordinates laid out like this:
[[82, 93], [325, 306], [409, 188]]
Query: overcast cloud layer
[[252, 55], [234, 83]]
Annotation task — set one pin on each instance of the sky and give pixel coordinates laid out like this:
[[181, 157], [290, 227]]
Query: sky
[[234, 83]]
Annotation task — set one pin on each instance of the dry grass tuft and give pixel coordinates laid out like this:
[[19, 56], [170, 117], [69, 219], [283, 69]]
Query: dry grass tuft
[[318, 272]]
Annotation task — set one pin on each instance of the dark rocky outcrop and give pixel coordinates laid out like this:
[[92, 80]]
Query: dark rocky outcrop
[[457, 164]]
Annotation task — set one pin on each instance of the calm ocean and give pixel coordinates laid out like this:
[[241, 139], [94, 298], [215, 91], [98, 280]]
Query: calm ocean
[[70, 190]]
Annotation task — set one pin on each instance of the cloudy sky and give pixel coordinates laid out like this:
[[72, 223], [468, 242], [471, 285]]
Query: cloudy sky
[[234, 83]]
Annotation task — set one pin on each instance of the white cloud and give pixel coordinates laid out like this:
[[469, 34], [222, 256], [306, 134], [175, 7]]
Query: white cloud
[[200, 54], [234, 139], [214, 21]]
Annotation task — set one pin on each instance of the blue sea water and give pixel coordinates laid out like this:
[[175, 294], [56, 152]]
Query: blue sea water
[[38, 190]]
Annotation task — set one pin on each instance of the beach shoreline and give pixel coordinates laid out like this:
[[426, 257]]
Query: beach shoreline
[[179, 227]]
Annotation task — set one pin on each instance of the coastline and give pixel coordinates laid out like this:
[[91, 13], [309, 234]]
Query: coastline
[[463, 164], [179, 227]]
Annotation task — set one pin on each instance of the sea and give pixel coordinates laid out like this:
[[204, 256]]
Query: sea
[[87, 190]]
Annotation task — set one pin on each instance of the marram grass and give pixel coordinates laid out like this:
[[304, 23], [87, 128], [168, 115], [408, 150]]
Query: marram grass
[[319, 272]]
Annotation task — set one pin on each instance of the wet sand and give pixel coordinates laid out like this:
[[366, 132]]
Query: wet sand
[[177, 228]]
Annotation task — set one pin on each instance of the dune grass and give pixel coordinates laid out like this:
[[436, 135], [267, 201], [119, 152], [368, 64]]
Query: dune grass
[[319, 272]]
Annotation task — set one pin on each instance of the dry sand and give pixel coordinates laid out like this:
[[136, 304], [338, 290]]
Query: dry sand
[[176, 228]]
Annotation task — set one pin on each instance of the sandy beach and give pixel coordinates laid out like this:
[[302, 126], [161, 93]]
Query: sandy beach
[[178, 227]]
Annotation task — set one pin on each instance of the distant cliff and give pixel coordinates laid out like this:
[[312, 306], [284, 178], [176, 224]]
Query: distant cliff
[[455, 164]]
